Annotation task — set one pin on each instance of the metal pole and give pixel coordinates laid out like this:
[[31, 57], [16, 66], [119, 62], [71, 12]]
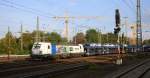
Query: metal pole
[[98, 36], [107, 43], [66, 23], [75, 36], [123, 42], [107, 37], [126, 29], [139, 29], [9, 43], [118, 44], [119, 59], [37, 39], [21, 38], [43, 37], [43, 34]]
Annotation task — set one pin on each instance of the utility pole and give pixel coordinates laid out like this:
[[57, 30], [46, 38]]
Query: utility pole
[[75, 36], [66, 25], [37, 38], [139, 29], [43, 34], [107, 37], [124, 39], [98, 36], [43, 37], [21, 38], [9, 52], [125, 24]]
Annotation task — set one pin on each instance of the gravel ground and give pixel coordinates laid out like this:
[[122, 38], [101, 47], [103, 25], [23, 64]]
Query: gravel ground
[[102, 70], [99, 66], [5, 59]]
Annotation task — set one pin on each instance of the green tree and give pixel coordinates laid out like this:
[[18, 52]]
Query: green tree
[[79, 38], [64, 41], [54, 37], [92, 36], [27, 43], [9, 43], [146, 42], [41, 34], [2, 47], [110, 38]]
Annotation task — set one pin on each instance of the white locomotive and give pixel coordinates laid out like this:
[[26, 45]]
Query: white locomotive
[[45, 50]]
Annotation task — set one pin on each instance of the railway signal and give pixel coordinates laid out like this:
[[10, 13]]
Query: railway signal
[[116, 31], [117, 18]]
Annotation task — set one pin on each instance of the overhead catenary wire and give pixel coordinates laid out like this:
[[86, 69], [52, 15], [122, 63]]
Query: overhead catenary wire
[[19, 5], [23, 8], [129, 6], [117, 5], [132, 2], [31, 12]]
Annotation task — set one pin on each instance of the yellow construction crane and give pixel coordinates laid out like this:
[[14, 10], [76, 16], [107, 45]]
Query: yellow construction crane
[[67, 18]]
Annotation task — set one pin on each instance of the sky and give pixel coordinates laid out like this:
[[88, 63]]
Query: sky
[[15, 12]]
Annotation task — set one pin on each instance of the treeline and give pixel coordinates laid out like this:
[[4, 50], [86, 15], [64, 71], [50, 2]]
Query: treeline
[[146, 42], [12, 44]]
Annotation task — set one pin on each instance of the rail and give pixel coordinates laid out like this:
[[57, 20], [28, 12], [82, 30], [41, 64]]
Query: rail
[[136, 71], [42, 70]]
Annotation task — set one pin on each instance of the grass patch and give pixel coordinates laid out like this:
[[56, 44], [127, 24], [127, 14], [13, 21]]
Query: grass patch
[[93, 66]]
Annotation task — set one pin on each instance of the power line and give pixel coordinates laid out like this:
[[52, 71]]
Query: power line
[[19, 5], [129, 6], [25, 10], [144, 10], [125, 1], [131, 1], [11, 6], [118, 7]]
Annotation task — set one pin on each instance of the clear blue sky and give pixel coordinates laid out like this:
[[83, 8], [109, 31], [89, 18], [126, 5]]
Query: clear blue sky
[[13, 12]]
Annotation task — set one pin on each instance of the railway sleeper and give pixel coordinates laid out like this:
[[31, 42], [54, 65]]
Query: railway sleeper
[[52, 72]]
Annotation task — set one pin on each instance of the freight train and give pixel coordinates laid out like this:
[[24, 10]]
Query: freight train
[[48, 50], [146, 48]]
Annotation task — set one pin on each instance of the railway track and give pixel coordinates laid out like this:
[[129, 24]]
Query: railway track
[[141, 70], [22, 64], [146, 74], [27, 63], [47, 70]]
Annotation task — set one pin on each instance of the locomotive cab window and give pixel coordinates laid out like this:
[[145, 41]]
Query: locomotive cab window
[[65, 49], [71, 48], [48, 47], [76, 48], [37, 46]]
